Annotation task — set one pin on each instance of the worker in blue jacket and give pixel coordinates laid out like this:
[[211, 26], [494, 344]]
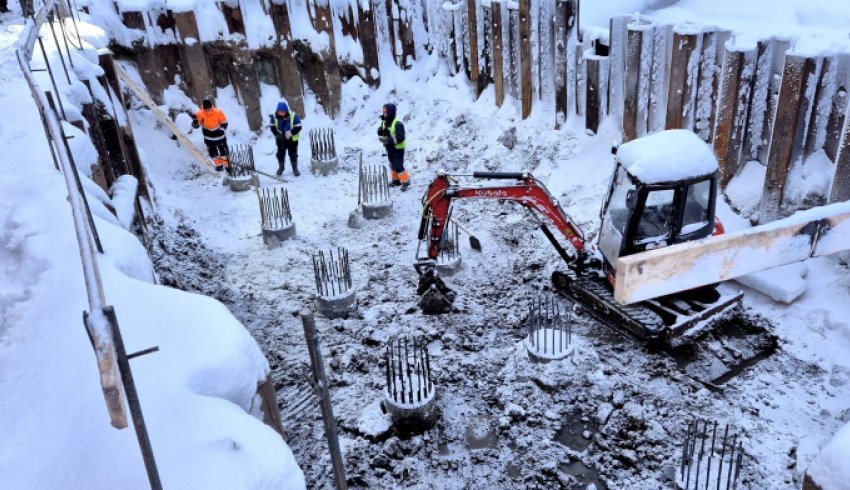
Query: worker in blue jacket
[[286, 126], [391, 134]]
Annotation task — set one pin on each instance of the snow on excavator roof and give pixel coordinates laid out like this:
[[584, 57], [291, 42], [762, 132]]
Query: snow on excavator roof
[[667, 156]]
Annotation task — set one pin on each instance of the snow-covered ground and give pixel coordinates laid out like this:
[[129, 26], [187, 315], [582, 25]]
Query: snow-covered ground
[[612, 414]]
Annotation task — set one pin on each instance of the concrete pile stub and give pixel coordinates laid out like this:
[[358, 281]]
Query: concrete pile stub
[[711, 457], [241, 175], [323, 157], [550, 331], [375, 192], [276, 215], [337, 297], [410, 396]]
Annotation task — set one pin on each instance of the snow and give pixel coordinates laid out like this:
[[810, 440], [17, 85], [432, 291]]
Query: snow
[[667, 156], [784, 284], [195, 392], [123, 192], [830, 468]]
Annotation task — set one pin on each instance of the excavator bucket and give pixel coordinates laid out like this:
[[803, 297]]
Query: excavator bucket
[[434, 296]]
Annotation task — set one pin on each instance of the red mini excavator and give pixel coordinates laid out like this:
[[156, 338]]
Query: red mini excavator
[[663, 191]]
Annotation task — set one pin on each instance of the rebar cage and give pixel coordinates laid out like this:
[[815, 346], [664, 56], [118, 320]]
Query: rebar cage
[[332, 271], [408, 371], [322, 144], [710, 460], [550, 325], [374, 184], [274, 207], [241, 159]]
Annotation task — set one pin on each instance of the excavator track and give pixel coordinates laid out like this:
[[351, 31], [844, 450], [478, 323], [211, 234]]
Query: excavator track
[[727, 345]]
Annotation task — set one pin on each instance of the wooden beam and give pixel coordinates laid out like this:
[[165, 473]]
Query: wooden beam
[[369, 45], [708, 81], [525, 55], [638, 49], [233, 18], [681, 90], [596, 86], [662, 47], [617, 44], [786, 126], [474, 69], [289, 76], [564, 27], [727, 110], [840, 191], [668, 270], [838, 109], [821, 105], [498, 69], [194, 60]]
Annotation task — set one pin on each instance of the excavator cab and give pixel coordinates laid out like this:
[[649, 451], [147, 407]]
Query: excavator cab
[[637, 216]]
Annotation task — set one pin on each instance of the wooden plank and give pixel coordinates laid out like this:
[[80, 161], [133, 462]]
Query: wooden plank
[[736, 157], [525, 55], [617, 43], [779, 48], [194, 60], [786, 126], [408, 47], [289, 76], [332, 89], [244, 77], [707, 83], [680, 91], [727, 105], [689, 265], [838, 108], [564, 21], [233, 18], [597, 73], [369, 45], [498, 55], [474, 69], [841, 180], [185, 142], [513, 69], [821, 105], [757, 109], [662, 46], [638, 51], [270, 409]]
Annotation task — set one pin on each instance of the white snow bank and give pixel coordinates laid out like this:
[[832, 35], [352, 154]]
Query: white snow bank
[[783, 284], [196, 392], [667, 156], [123, 199], [830, 468], [745, 189]]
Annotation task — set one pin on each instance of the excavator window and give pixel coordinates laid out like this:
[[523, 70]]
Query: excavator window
[[657, 216], [620, 200], [696, 207]]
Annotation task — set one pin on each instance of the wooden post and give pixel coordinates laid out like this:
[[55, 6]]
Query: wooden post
[[662, 45], [708, 80], [597, 86], [323, 23], [270, 409], [455, 60], [525, 55], [193, 58], [486, 60], [564, 27], [727, 112], [681, 93], [841, 180], [638, 49], [617, 43], [243, 75], [513, 68], [821, 105], [737, 157], [91, 115], [408, 47], [289, 76], [786, 126], [778, 48], [366, 33], [474, 69], [233, 18], [498, 69], [838, 109]]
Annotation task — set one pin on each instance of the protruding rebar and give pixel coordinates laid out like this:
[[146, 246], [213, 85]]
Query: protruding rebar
[[710, 461], [449, 244], [322, 144], [274, 208], [241, 160], [333, 272], [549, 327], [374, 184], [409, 380]]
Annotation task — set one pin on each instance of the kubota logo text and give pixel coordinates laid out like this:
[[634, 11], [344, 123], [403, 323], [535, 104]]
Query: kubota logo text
[[491, 193]]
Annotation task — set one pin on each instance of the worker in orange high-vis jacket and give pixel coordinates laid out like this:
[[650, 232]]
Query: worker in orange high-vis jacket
[[391, 133], [213, 123]]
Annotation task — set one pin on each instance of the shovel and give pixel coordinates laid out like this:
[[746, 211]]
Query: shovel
[[354, 218], [473, 241]]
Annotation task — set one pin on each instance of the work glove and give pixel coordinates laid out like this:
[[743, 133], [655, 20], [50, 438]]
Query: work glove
[[288, 135]]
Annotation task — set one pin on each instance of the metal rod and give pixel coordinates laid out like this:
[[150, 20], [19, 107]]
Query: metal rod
[[52, 79], [59, 50], [133, 400], [324, 398], [143, 352]]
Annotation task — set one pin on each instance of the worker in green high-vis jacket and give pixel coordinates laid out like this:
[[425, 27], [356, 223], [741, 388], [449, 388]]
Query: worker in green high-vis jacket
[[391, 134], [286, 126]]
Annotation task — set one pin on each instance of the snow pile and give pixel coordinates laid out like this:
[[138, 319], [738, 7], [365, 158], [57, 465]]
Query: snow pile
[[830, 468], [667, 156], [745, 189], [195, 392], [783, 284]]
